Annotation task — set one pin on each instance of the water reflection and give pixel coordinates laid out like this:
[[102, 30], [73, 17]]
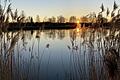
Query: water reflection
[[76, 54]]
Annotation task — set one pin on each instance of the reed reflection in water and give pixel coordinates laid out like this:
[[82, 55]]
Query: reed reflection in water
[[75, 54]]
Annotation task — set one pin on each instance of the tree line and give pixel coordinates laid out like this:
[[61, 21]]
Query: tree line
[[8, 15]]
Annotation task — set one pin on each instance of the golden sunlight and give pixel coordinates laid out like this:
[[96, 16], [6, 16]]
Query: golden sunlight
[[77, 30], [78, 21]]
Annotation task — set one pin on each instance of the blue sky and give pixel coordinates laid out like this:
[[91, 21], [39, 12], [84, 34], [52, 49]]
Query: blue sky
[[66, 8]]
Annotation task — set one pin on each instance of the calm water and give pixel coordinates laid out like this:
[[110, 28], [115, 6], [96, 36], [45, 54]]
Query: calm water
[[75, 54]]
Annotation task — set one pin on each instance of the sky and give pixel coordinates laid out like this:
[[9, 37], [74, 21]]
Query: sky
[[67, 8]]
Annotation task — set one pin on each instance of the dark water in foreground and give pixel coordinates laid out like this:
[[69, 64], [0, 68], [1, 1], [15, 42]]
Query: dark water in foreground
[[75, 54]]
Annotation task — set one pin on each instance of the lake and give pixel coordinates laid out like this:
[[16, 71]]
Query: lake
[[71, 54]]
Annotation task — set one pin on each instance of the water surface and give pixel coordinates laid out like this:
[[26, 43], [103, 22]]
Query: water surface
[[75, 54]]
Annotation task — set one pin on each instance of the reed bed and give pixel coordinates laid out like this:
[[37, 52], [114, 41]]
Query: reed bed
[[85, 51], [85, 54]]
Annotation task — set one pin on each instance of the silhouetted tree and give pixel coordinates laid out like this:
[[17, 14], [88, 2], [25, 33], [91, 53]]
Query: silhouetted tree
[[37, 18], [73, 19], [31, 20], [61, 19], [45, 19], [52, 19]]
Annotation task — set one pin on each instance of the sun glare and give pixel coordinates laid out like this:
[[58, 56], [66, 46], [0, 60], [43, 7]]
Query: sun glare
[[78, 21], [77, 30]]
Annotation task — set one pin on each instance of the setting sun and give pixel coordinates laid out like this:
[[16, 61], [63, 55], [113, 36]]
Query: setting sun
[[59, 39], [78, 21]]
